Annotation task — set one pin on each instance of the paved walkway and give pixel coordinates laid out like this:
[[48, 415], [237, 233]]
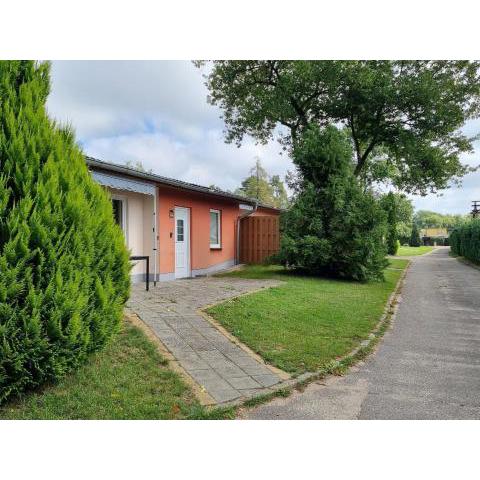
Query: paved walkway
[[225, 370], [426, 367]]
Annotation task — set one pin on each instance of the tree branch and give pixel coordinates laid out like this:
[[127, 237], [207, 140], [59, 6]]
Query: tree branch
[[355, 138], [363, 159]]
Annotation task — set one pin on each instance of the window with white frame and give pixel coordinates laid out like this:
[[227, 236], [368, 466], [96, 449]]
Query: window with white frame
[[215, 228]]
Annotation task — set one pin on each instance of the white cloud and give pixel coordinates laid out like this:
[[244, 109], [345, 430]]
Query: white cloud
[[206, 160], [102, 98], [156, 112]]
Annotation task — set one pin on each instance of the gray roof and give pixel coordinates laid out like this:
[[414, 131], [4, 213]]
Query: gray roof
[[132, 172]]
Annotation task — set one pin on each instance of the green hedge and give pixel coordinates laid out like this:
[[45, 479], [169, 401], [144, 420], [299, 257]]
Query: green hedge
[[465, 240], [64, 269]]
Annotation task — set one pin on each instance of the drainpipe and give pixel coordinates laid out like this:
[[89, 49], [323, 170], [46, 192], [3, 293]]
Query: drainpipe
[[245, 215], [155, 238]]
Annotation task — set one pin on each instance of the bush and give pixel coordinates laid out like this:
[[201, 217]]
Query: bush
[[396, 247], [465, 240], [64, 269], [333, 228]]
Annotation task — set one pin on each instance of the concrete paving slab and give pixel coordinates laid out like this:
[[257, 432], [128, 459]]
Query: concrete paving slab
[[225, 370]]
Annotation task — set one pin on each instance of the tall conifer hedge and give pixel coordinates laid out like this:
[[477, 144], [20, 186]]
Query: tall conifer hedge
[[465, 240], [64, 270]]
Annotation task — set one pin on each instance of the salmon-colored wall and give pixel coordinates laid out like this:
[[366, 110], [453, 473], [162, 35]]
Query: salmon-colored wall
[[201, 255], [139, 210]]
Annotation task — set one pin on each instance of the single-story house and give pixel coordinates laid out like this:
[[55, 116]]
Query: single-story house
[[434, 236], [186, 230]]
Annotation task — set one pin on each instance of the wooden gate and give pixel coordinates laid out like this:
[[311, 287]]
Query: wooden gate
[[259, 238]]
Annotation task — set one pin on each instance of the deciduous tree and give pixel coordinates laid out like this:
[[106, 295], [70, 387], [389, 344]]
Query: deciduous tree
[[403, 117]]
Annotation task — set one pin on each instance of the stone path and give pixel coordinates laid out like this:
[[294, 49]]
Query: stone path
[[426, 367], [225, 370]]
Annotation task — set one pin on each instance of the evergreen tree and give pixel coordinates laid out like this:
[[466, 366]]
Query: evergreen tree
[[257, 185], [64, 268], [415, 240], [280, 197], [333, 227], [389, 204]]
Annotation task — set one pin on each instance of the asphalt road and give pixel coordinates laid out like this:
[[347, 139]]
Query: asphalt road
[[427, 365]]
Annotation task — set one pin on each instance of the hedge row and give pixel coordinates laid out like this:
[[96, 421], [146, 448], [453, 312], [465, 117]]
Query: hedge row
[[465, 240]]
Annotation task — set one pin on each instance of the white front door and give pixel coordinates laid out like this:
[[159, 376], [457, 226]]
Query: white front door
[[182, 242]]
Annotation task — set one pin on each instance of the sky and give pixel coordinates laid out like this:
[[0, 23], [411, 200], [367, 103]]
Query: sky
[[156, 112]]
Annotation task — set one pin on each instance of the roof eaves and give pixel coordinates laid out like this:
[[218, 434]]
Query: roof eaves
[[113, 167]]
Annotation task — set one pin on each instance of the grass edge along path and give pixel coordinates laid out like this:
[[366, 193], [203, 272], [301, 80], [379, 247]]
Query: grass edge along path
[[128, 379], [305, 323], [405, 251], [341, 365]]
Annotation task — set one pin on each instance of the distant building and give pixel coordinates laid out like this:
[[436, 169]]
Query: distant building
[[434, 236], [434, 232]]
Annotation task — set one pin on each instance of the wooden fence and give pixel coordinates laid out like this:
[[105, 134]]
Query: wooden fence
[[259, 238]]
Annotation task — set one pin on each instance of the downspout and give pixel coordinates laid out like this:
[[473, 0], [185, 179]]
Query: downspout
[[245, 215], [155, 238]]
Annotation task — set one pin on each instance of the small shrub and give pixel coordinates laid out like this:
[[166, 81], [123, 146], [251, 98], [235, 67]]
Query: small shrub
[[396, 247], [64, 270]]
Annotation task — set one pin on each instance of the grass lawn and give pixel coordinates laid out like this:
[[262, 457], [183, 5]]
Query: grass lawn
[[413, 251], [127, 380], [306, 322]]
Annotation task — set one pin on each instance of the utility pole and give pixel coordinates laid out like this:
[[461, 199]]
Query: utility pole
[[475, 208]]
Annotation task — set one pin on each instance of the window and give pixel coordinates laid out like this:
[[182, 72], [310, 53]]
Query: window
[[120, 212], [180, 230], [215, 229]]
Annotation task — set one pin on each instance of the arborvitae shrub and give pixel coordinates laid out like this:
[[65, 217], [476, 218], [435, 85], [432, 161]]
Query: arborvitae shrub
[[333, 228], [465, 240], [415, 240], [389, 205], [64, 269]]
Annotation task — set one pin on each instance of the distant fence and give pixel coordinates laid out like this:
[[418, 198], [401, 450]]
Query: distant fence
[[259, 238]]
